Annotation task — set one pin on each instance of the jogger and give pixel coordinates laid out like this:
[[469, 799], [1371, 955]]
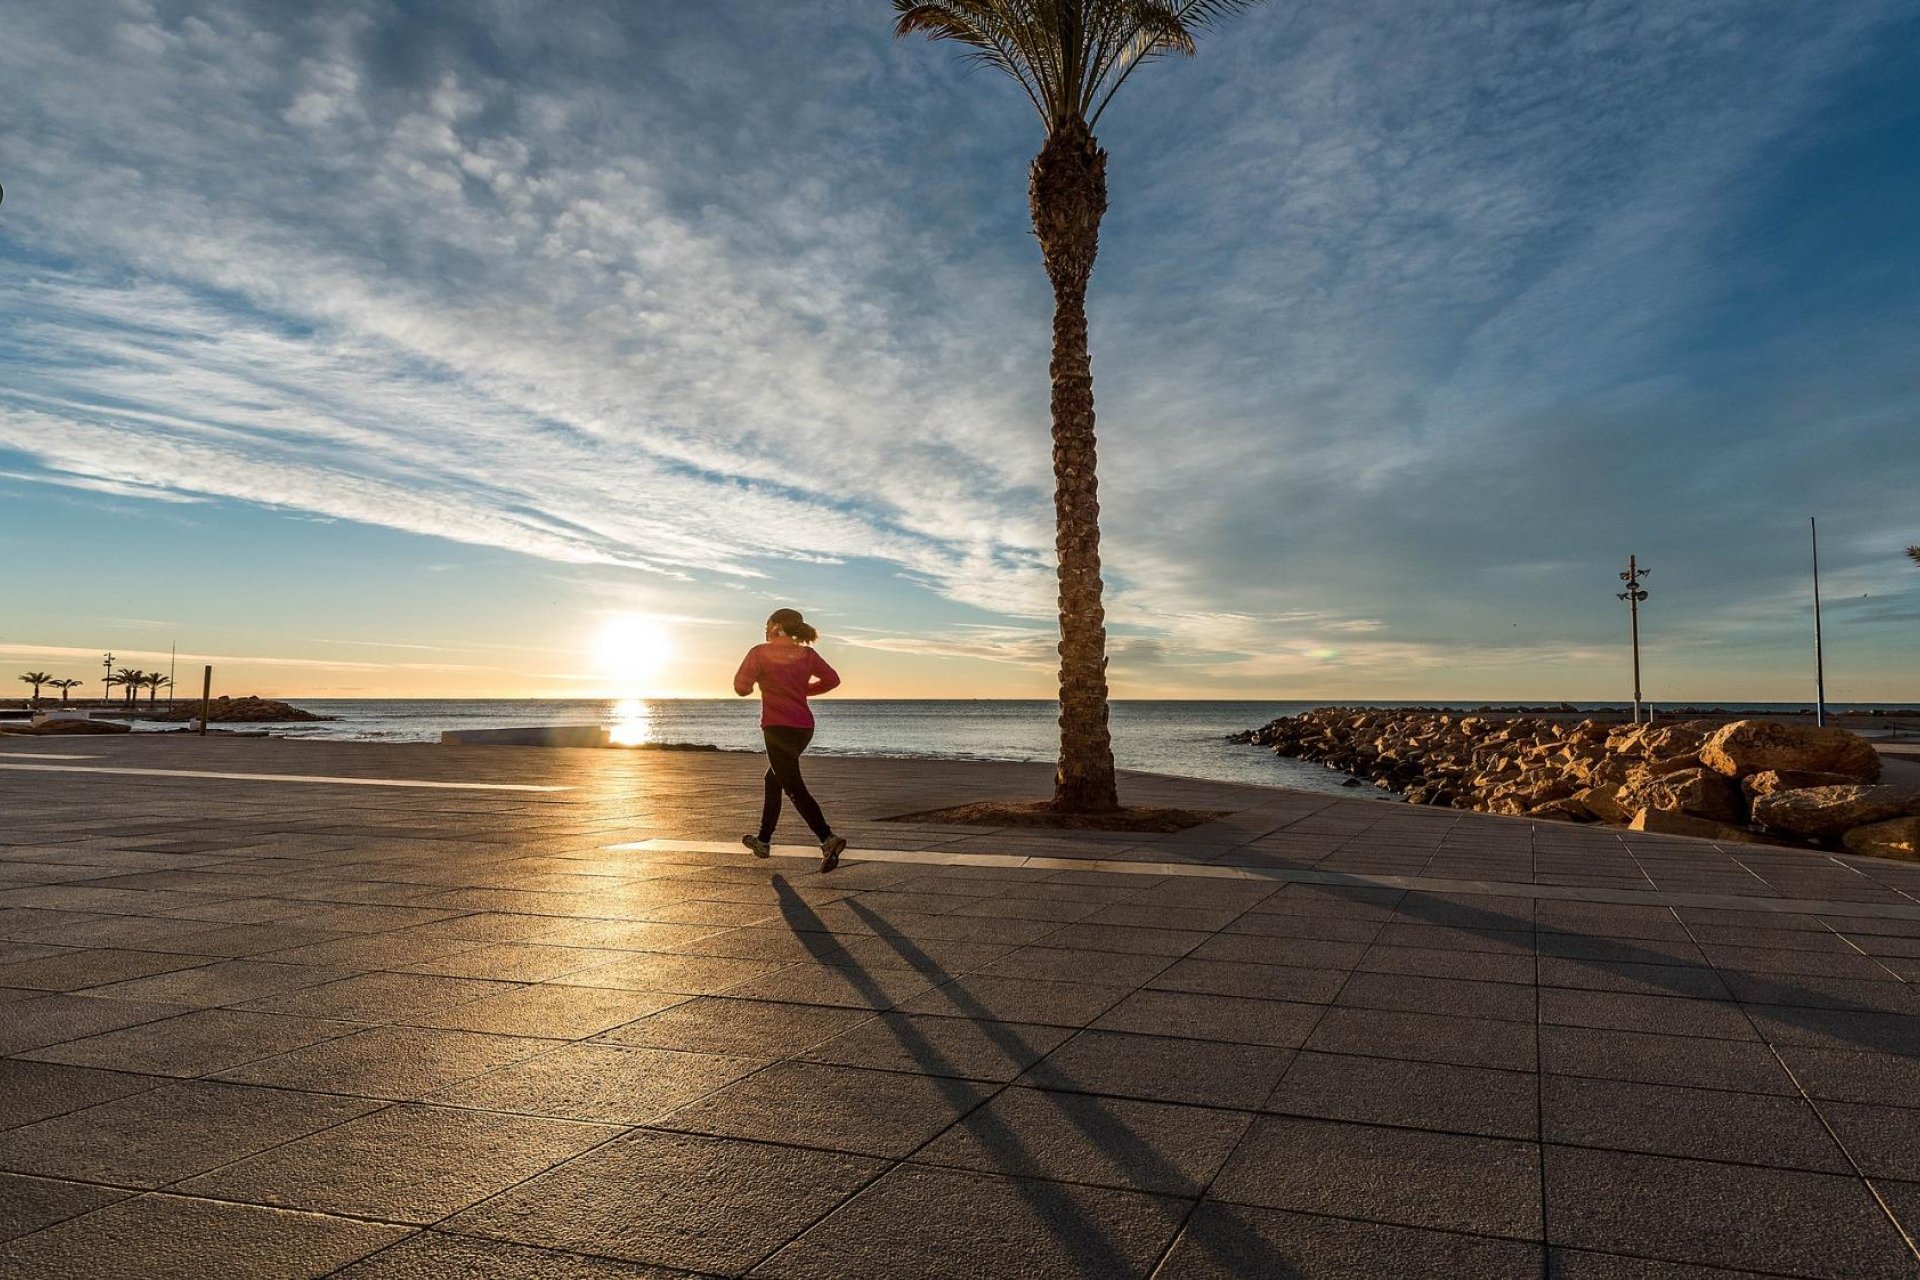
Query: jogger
[[788, 672]]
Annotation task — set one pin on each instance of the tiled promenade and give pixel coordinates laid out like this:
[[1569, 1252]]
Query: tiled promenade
[[287, 1024]]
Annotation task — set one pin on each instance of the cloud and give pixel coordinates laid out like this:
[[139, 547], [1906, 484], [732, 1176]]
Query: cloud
[[1399, 326]]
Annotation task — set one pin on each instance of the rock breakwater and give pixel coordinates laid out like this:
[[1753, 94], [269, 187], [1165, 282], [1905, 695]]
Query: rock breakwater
[[1751, 780]]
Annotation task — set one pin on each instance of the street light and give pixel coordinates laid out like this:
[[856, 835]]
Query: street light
[[1633, 595]]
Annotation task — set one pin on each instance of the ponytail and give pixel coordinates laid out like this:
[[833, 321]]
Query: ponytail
[[795, 626]]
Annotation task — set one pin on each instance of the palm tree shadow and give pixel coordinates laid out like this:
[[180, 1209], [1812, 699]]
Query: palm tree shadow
[[1861, 1026], [1085, 1239]]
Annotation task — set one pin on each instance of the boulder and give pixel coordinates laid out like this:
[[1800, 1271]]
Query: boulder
[[1899, 838], [1696, 791], [1667, 823], [1768, 781], [1564, 810], [1755, 746], [1602, 804], [1828, 811]]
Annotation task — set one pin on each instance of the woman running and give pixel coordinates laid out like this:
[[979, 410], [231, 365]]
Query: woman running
[[788, 672]]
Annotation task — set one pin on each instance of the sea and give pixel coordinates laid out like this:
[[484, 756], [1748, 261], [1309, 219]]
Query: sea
[[1185, 739]]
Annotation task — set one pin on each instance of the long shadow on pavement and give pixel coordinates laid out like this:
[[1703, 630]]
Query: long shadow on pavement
[[1082, 1237]]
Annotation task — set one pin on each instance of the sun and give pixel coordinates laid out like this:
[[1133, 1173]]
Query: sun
[[630, 652]]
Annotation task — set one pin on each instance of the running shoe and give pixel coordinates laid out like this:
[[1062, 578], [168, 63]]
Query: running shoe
[[830, 850], [761, 848]]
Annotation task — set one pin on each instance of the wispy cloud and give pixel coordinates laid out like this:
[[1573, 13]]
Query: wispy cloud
[[1396, 299]]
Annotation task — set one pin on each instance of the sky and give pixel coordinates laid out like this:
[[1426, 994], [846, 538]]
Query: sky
[[496, 348]]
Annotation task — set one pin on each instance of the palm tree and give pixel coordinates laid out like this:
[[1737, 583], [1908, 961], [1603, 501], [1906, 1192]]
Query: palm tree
[[63, 685], [36, 679], [129, 679], [1914, 552], [1069, 57], [155, 682]]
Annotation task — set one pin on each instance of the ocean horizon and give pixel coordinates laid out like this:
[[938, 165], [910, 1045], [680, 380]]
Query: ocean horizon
[[1181, 737]]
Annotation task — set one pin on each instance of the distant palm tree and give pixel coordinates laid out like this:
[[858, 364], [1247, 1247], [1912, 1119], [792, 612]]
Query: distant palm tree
[[155, 683], [1914, 553], [1069, 57], [63, 685], [36, 679], [130, 679]]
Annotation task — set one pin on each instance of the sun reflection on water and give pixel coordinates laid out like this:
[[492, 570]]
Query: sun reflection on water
[[632, 723]]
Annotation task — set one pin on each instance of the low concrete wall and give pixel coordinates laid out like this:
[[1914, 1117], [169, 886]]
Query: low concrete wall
[[555, 735]]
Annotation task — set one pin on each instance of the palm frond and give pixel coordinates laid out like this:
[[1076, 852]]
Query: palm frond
[[1914, 552], [1069, 56]]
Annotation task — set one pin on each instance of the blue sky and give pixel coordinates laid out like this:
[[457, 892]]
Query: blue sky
[[385, 348]]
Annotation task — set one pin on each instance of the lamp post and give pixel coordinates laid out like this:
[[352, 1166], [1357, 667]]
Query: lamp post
[[1633, 595], [1819, 654], [106, 680]]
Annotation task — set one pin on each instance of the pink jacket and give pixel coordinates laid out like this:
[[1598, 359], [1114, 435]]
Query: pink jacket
[[786, 682]]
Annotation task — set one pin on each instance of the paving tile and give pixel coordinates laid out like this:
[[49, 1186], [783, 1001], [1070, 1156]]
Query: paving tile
[[1838, 1029], [1162, 1069], [946, 1224], [402, 1164], [1064, 1004], [28, 1204], [826, 984], [751, 1028], [436, 1255], [1118, 1142], [1477, 966], [605, 1083], [1126, 939], [1705, 1124], [1163, 913], [873, 1113], [1451, 938], [1228, 1242], [228, 982], [1855, 995], [194, 1044], [551, 1010], [165, 1237], [681, 975], [674, 1199], [1307, 953], [380, 997], [1278, 1023], [1411, 993], [73, 970], [1883, 1141], [1392, 1033], [152, 1138], [936, 957], [395, 1063], [51, 1019], [1903, 1200], [1660, 1015], [1655, 1059], [1851, 1075], [1331, 929], [1488, 1186], [1612, 950], [1740, 1216], [1583, 1264], [1642, 979], [31, 1091], [1253, 981], [930, 1044], [1049, 963], [1415, 1095]]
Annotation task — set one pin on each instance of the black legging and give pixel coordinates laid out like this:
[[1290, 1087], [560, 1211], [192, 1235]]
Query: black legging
[[784, 747]]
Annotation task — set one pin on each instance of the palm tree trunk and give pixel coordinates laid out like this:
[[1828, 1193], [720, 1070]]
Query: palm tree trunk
[[1068, 193]]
